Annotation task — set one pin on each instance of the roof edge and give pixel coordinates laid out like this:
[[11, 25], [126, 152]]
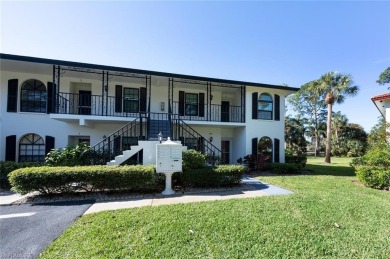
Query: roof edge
[[138, 71], [381, 97]]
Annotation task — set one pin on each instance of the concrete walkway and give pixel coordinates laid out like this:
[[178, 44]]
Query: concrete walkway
[[258, 189], [8, 197], [255, 188]]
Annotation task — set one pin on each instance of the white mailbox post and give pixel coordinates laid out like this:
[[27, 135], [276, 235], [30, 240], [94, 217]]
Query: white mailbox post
[[168, 161]]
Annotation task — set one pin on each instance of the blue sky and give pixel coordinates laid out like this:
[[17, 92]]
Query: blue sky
[[267, 42]]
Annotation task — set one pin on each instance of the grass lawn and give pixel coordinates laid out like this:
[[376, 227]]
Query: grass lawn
[[328, 216]]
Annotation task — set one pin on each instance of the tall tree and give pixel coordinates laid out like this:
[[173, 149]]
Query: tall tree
[[336, 87], [379, 135], [338, 122], [308, 102], [384, 77], [294, 134]]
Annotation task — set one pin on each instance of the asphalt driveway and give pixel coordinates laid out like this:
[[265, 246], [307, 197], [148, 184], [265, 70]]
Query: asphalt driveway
[[27, 229]]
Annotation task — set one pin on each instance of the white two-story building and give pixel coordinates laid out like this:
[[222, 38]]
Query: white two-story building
[[46, 104], [382, 102]]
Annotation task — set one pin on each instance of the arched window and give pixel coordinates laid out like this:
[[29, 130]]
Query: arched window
[[33, 96], [264, 148], [31, 148], [265, 107]]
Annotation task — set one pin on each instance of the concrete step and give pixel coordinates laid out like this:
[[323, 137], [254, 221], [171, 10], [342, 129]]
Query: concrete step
[[125, 155]]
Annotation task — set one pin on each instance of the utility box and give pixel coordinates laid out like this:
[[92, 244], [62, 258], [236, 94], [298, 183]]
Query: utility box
[[169, 157], [168, 161]]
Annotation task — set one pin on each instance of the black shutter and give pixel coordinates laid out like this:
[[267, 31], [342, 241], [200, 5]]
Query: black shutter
[[118, 98], [181, 103], [12, 101], [276, 150], [142, 98], [255, 98], [277, 107], [49, 97], [254, 146], [50, 144], [201, 104], [10, 148]]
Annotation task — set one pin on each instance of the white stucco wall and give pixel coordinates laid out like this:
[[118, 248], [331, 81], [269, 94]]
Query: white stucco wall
[[387, 111], [257, 128], [239, 135]]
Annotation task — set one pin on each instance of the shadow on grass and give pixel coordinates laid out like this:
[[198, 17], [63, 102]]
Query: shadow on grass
[[334, 170]]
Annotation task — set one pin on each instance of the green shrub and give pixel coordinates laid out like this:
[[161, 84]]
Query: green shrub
[[193, 159], [377, 157], [357, 161], [377, 177], [90, 178], [291, 159], [7, 167], [260, 162], [69, 156], [219, 176], [287, 168]]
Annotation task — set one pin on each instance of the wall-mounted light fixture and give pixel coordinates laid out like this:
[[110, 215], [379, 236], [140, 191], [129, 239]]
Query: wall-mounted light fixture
[[160, 137], [211, 139], [162, 106]]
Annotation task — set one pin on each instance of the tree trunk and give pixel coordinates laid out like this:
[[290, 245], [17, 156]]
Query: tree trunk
[[316, 142], [328, 133]]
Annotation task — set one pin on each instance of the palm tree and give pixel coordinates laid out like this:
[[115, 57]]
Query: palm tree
[[337, 87], [339, 121]]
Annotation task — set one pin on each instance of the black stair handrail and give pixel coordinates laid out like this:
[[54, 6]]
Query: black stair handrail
[[111, 146], [181, 131]]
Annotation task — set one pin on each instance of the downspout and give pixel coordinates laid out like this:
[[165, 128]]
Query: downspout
[[102, 103], [106, 89]]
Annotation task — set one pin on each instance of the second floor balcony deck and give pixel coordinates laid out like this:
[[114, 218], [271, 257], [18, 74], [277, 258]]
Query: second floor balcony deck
[[98, 105]]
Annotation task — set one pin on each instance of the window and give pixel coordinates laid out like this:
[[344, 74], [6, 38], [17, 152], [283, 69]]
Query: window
[[33, 96], [191, 104], [131, 100], [31, 148], [264, 107], [264, 149]]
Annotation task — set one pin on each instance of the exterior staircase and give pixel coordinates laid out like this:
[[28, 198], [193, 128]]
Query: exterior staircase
[[159, 123], [115, 150], [159, 126], [126, 154]]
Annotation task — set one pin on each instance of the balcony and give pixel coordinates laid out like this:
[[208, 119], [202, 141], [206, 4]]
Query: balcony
[[208, 112], [71, 106]]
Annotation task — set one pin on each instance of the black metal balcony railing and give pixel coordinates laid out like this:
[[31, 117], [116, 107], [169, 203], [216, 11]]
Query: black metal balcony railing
[[213, 112], [87, 104]]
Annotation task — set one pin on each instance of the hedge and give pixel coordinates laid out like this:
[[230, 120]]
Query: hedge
[[219, 176], [136, 178], [193, 159], [6, 167], [291, 159], [89, 178], [287, 168], [377, 177]]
